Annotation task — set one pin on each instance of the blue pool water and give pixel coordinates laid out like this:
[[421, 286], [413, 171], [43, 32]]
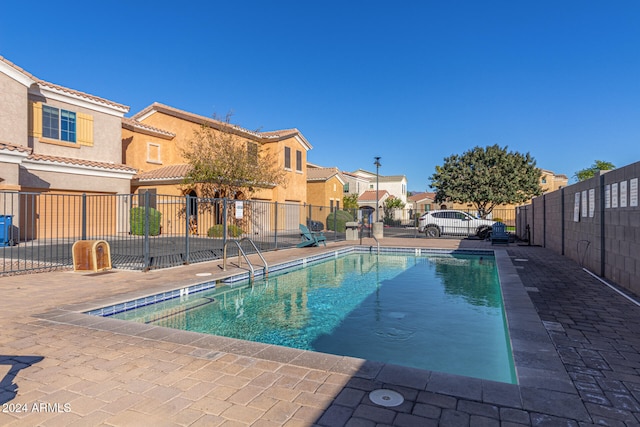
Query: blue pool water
[[442, 313]]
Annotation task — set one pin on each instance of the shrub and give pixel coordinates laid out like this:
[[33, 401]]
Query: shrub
[[137, 221], [217, 230], [341, 218]]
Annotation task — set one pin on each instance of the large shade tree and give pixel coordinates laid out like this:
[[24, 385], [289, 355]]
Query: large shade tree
[[487, 177], [226, 164]]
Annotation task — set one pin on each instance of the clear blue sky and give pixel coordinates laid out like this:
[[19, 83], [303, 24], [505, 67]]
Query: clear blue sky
[[412, 82]]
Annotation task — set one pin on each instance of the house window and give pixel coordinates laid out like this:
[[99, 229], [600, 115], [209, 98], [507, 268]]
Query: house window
[[370, 186], [299, 160], [58, 124], [287, 158], [544, 180], [345, 188], [331, 205]]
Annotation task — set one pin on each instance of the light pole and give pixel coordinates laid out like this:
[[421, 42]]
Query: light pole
[[377, 163]]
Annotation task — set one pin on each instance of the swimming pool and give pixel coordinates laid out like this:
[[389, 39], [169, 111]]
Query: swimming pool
[[438, 312]]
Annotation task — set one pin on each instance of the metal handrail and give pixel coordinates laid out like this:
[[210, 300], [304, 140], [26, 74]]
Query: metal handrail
[[241, 252], [264, 261], [374, 238], [371, 235]]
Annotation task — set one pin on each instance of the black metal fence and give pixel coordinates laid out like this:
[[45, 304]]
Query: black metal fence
[[148, 231]]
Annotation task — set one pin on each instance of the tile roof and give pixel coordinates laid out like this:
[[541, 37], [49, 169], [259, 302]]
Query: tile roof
[[20, 70], [370, 195], [276, 135], [84, 95], [43, 83], [321, 174], [391, 178], [422, 196], [135, 125], [171, 172], [284, 133], [80, 162], [351, 174], [365, 174], [13, 147]]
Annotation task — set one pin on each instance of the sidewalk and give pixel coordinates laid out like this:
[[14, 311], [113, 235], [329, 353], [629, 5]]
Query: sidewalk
[[58, 367]]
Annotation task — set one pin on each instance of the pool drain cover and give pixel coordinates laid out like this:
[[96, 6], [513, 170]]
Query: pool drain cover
[[385, 397]]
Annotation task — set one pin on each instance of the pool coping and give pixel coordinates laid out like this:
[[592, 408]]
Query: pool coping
[[538, 365]]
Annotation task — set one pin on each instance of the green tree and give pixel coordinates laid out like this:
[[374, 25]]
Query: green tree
[[350, 201], [389, 206], [226, 164], [590, 172], [487, 177]]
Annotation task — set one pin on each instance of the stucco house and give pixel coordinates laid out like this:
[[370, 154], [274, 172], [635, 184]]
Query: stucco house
[[325, 187], [354, 184], [395, 185], [371, 202], [59, 140], [550, 181], [153, 141]]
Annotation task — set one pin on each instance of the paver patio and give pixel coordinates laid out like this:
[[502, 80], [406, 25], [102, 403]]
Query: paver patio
[[578, 355]]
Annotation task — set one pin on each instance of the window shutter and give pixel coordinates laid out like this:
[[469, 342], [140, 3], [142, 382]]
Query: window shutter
[[85, 129], [287, 157], [35, 119]]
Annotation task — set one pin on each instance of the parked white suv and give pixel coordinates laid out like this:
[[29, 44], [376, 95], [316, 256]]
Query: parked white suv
[[453, 223]]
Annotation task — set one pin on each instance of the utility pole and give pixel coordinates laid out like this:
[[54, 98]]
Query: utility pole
[[377, 163]]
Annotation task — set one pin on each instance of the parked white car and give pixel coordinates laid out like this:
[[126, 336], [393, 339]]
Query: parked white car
[[453, 223]]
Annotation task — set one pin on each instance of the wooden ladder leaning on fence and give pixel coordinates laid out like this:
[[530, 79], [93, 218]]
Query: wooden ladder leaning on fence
[[193, 226]]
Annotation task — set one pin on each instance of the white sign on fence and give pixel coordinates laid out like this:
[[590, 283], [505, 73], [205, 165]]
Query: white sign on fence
[[633, 192], [607, 196], [623, 194], [576, 208], [585, 201], [239, 209], [592, 202], [614, 195]]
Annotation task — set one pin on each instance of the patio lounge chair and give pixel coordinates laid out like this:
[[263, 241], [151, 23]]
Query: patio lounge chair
[[310, 238], [499, 234]]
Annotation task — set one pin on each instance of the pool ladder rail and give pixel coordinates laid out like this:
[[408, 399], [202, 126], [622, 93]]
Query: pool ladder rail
[[243, 254], [374, 238]]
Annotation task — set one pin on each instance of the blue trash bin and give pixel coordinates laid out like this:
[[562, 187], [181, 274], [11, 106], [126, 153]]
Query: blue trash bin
[[6, 222]]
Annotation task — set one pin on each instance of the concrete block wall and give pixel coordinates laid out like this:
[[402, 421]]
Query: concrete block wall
[[622, 227], [594, 222], [582, 224], [553, 206]]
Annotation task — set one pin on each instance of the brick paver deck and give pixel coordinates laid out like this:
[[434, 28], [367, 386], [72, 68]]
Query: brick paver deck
[[576, 345]]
